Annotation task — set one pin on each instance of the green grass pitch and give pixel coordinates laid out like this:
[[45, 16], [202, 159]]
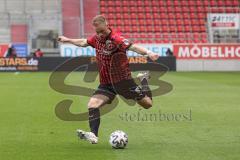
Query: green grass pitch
[[30, 130]]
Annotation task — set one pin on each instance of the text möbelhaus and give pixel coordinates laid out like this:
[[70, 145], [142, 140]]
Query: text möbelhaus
[[207, 51]]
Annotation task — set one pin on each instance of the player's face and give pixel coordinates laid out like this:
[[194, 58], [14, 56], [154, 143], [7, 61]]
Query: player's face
[[100, 27]]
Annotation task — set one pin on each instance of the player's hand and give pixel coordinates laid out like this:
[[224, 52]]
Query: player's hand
[[153, 56], [63, 39]]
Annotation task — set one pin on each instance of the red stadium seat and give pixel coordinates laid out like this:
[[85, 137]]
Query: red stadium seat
[[157, 29], [187, 22], [184, 3], [155, 9], [165, 29], [202, 22], [203, 28], [186, 15], [171, 16], [196, 29], [142, 22], [141, 16], [163, 15], [147, 3], [140, 9], [110, 9], [148, 15], [102, 10], [161, 3], [164, 22], [169, 3], [135, 29], [155, 3], [180, 29], [201, 15], [221, 3], [192, 3], [132, 3], [178, 9], [149, 22], [157, 22], [140, 3], [199, 3], [133, 16], [133, 9], [206, 3], [176, 3], [127, 29], [193, 15], [213, 3], [150, 29], [110, 16], [134, 22], [172, 29], [179, 16], [236, 3], [118, 16], [156, 16], [102, 3], [192, 9], [195, 22], [118, 9], [125, 9], [118, 3], [188, 28], [111, 21], [201, 9], [172, 22], [124, 3], [179, 22], [147, 9], [126, 16], [110, 3], [142, 29]]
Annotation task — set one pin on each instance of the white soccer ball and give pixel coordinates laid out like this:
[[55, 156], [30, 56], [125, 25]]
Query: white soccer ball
[[118, 139]]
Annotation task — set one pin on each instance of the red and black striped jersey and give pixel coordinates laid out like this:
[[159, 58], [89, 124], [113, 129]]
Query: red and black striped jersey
[[111, 55]]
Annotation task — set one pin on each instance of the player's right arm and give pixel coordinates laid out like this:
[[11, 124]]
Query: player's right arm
[[77, 42]]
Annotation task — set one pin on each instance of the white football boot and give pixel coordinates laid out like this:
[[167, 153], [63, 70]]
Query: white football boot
[[89, 136], [143, 74]]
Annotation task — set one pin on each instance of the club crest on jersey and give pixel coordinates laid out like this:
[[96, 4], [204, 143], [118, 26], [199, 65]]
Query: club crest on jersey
[[126, 42], [110, 47]]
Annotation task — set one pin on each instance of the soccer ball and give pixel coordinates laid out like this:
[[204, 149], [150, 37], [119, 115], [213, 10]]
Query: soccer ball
[[118, 139]]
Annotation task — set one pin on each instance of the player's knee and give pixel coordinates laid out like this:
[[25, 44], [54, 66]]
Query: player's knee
[[93, 104], [147, 105]]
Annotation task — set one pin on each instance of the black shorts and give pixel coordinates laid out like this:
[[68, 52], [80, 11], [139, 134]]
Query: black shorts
[[126, 88]]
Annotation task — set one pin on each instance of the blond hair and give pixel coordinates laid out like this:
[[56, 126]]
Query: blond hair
[[99, 18]]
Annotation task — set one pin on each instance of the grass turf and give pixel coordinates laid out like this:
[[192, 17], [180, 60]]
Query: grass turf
[[30, 130]]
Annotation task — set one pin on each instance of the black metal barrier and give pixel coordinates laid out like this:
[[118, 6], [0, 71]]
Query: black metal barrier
[[52, 63]]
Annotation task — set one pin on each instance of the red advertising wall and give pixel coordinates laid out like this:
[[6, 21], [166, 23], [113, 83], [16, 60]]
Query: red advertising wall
[[3, 49], [207, 51]]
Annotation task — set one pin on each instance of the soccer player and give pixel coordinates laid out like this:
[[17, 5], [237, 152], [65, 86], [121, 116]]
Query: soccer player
[[115, 75]]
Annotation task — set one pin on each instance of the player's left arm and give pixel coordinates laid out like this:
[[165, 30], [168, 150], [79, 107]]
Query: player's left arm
[[140, 50]]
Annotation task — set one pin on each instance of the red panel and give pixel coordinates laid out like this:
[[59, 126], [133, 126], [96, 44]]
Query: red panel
[[71, 8], [71, 27], [19, 33], [91, 9]]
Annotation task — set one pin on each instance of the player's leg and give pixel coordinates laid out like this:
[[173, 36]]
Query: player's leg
[[130, 90], [95, 102], [102, 96], [145, 102]]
